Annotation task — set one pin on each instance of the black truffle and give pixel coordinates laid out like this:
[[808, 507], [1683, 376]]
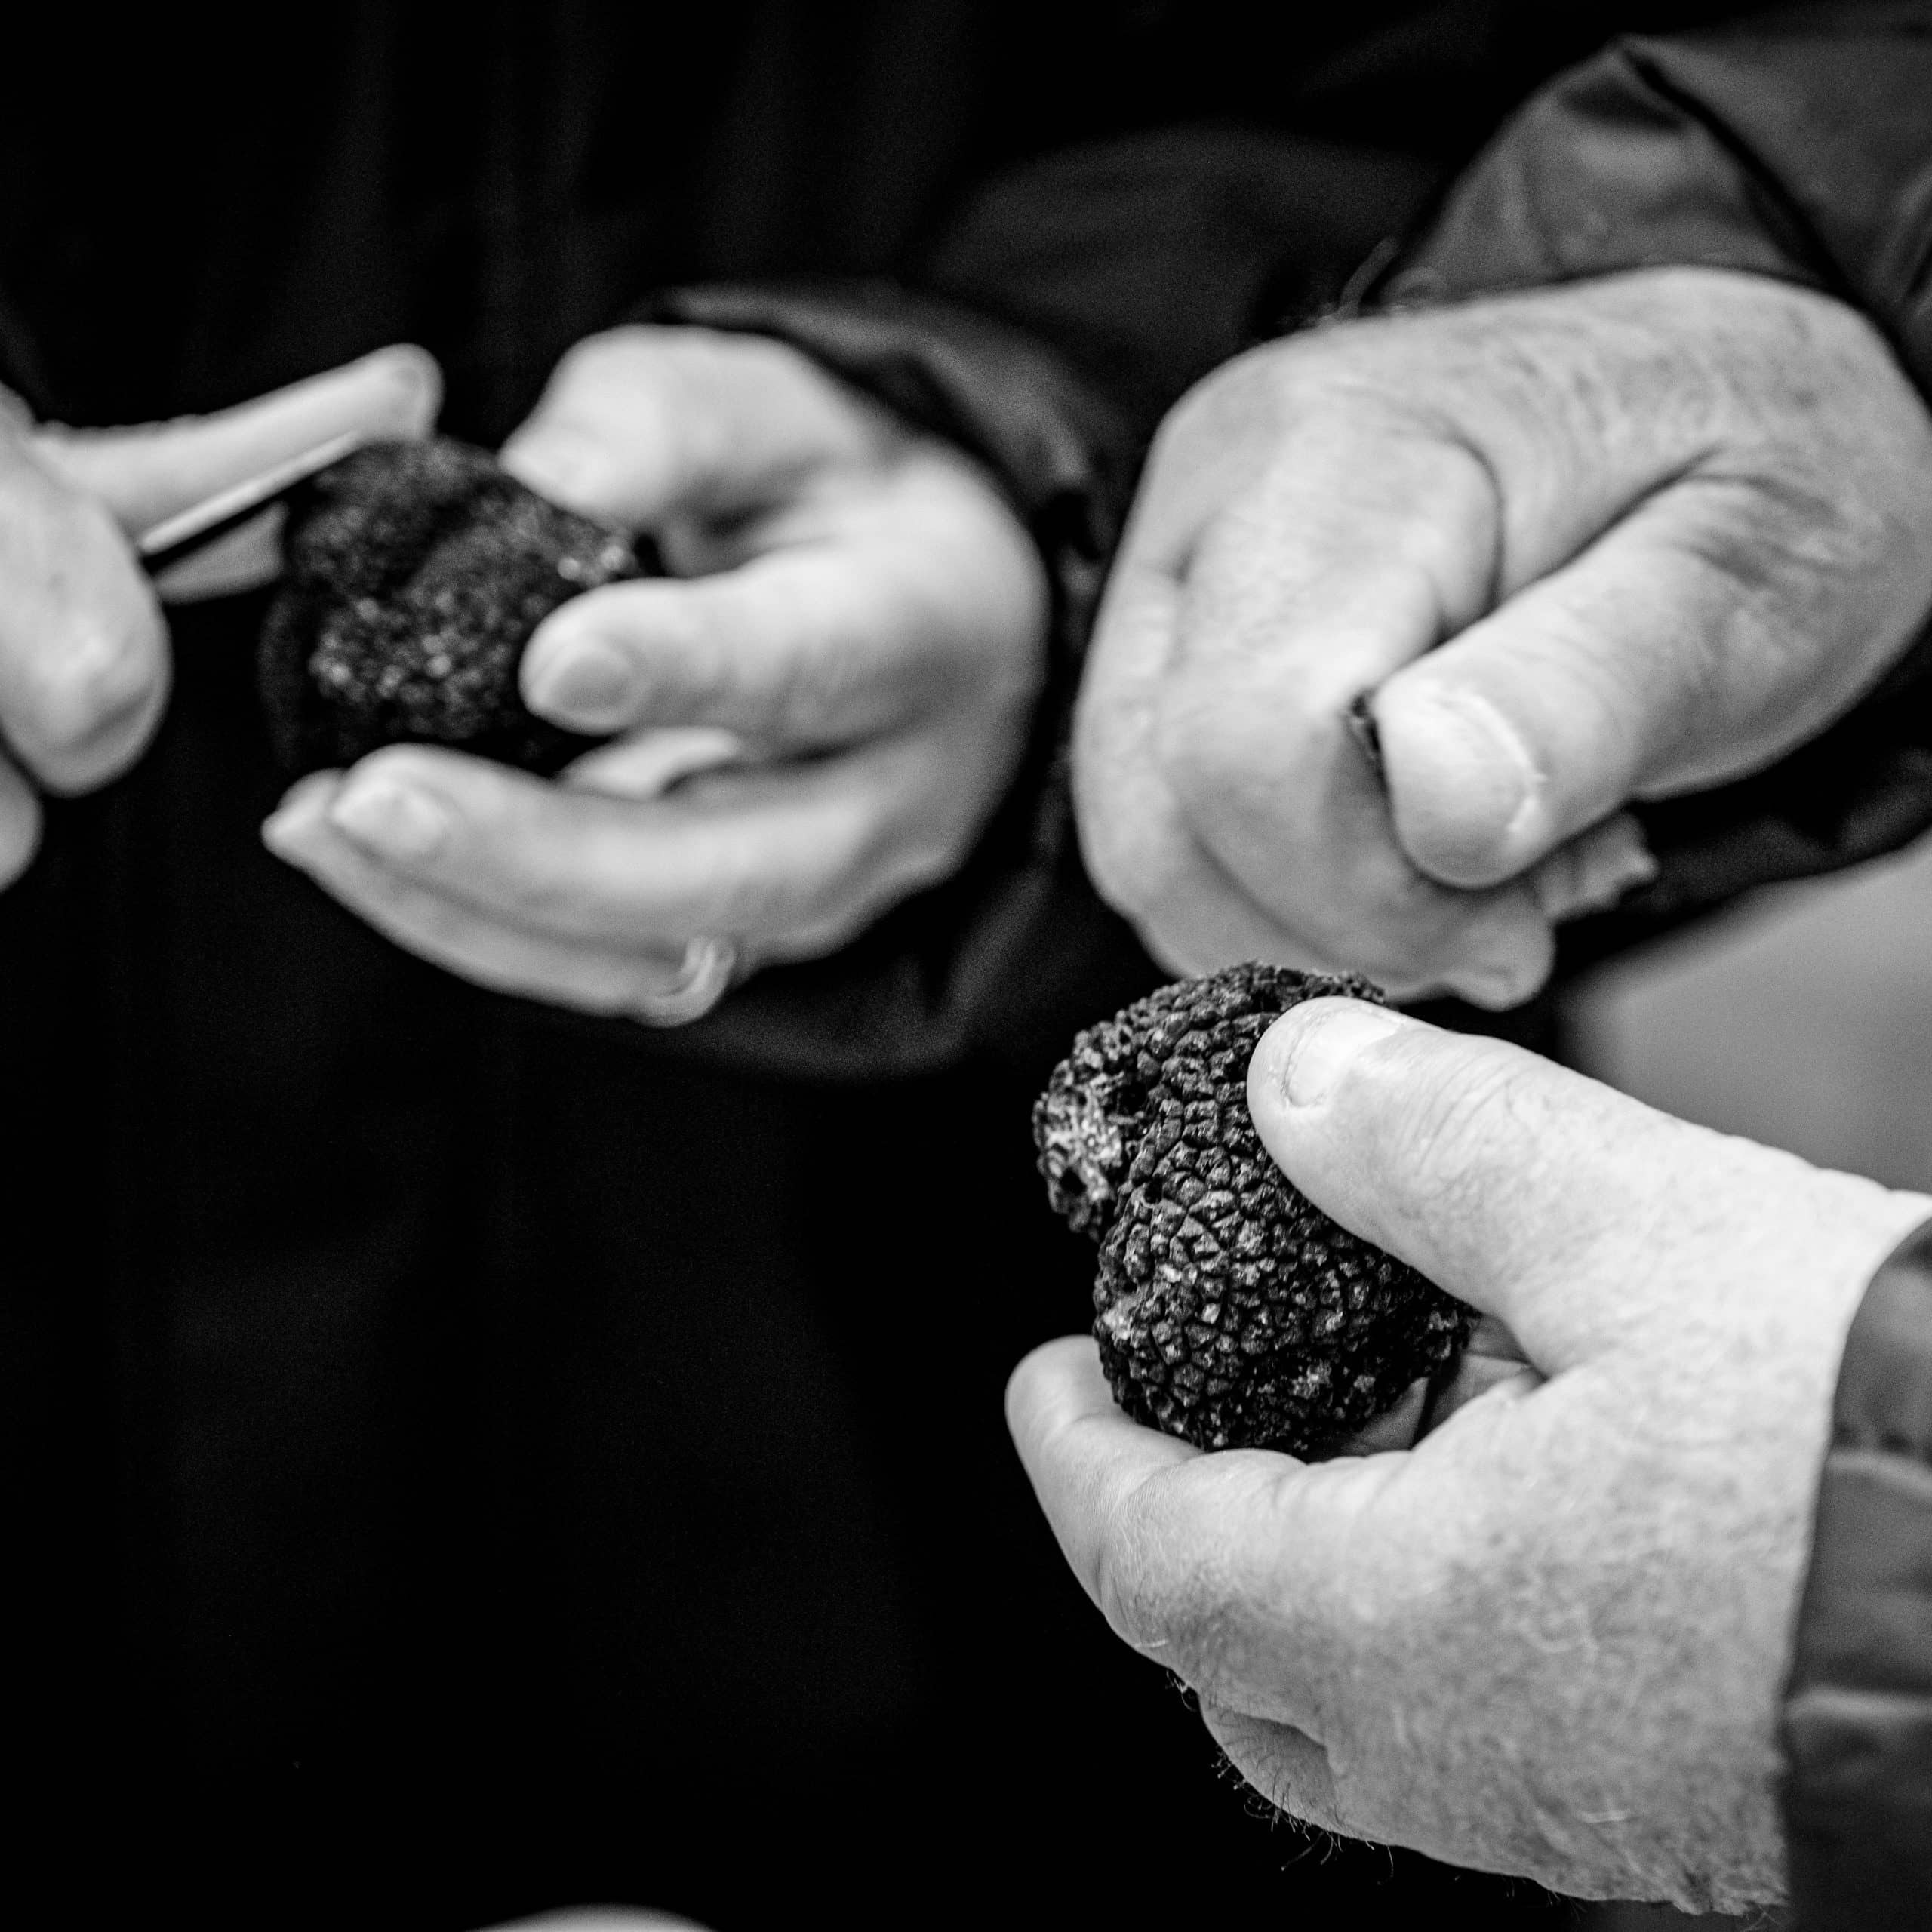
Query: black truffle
[[415, 574], [1229, 1309]]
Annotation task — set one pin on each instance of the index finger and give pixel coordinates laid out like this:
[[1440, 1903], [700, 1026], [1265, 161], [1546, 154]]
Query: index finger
[[155, 470], [1231, 1569]]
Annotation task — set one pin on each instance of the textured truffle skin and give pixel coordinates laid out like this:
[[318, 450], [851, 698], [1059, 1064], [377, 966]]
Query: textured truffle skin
[[1229, 1309], [415, 574]]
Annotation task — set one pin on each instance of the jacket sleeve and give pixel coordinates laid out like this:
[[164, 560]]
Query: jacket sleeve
[[1797, 146], [1857, 1728]]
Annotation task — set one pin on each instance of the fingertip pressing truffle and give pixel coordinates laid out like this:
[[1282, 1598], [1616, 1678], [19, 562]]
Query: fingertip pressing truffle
[[1230, 1310], [415, 574]]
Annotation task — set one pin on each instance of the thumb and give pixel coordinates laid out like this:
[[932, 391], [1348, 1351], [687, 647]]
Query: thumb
[[1506, 1179], [1699, 637], [1548, 716]]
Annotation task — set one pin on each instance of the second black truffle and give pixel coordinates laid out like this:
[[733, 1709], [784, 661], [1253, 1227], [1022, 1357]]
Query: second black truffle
[[415, 574], [1230, 1310]]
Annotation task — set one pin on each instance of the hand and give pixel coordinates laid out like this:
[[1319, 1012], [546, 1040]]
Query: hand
[[84, 671], [857, 614], [1550, 1639], [1584, 547]]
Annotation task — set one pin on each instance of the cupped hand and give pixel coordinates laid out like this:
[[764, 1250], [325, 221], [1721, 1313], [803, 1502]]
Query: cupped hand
[[1582, 548], [1550, 1638], [84, 668], [848, 654]]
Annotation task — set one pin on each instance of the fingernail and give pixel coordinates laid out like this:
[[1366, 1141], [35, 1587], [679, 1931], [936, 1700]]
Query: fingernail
[[586, 680], [413, 369], [572, 468], [396, 820], [1326, 1045]]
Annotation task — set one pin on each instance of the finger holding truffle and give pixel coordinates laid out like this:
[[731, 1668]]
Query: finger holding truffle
[[1421, 1140], [1225, 1568], [864, 607], [470, 862], [146, 474], [630, 982]]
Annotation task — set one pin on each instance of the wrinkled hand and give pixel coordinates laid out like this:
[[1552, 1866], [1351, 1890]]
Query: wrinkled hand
[[1550, 1639], [855, 613], [84, 667], [1584, 547]]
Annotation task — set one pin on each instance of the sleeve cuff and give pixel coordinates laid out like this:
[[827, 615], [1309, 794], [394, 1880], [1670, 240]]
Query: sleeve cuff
[[1857, 1727]]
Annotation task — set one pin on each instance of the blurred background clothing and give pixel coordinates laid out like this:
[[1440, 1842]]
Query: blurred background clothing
[[1802, 1018], [461, 1459]]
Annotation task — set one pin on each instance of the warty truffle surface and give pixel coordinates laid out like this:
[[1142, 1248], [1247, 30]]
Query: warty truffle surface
[[1230, 1310], [415, 574]]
